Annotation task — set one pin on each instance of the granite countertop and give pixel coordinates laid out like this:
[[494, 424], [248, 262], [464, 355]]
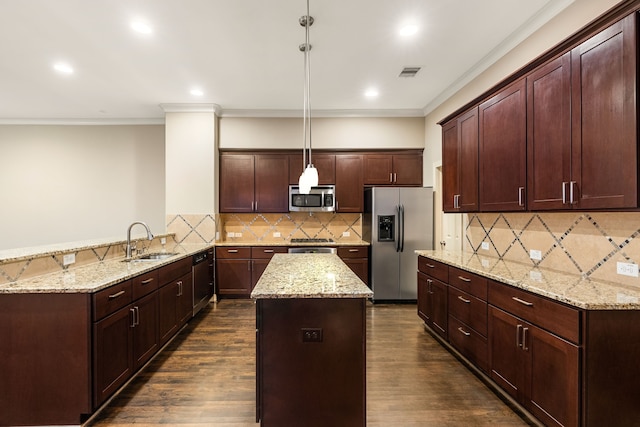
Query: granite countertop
[[571, 289], [289, 243], [94, 277], [309, 276]]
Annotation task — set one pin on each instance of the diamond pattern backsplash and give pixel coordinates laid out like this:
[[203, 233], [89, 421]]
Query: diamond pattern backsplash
[[586, 243]]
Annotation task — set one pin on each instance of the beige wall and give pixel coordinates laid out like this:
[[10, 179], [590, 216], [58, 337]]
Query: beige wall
[[68, 183], [327, 133], [573, 18]]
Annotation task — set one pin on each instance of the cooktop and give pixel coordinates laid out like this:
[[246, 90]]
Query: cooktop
[[311, 240]]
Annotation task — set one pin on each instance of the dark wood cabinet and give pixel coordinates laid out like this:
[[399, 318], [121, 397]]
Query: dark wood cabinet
[[549, 135], [349, 183], [176, 306], [145, 331], [357, 258], [432, 295], [254, 183], [537, 368], [460, 163], [238, 269], [502, 153], [393, 169], [604, 119], [324, 163], [260, 257]]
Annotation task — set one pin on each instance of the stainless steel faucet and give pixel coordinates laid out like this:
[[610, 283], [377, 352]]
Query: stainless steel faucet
[[149, 236]]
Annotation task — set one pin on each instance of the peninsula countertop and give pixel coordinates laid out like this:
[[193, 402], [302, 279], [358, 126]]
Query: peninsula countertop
[[309, 276], [570, 289]]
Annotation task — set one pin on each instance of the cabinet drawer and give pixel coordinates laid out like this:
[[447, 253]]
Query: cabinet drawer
[[266, 252], [111, 299], [233, 252], [468, 309], [145, 284], [557, 318], [468, 282], [177, 269], [433, 268], [469, 343], [353, 252]]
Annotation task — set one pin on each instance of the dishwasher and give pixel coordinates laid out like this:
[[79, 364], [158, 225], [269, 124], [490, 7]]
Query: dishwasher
[[202, 280]]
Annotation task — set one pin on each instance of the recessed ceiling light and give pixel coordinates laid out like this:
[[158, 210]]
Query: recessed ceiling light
[[197, 92], [141, 27], [408, 30], [63, 68], [371, 93]]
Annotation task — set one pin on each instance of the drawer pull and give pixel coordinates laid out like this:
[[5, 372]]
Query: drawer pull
[[232, 251], [267, 251], [431, 265], [464, 332], [466, 301], [523, 302], [464, 279], [147, 281], [116, 295], [354, 250]]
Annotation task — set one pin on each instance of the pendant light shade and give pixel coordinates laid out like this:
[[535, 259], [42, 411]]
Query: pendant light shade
[[309, 176]]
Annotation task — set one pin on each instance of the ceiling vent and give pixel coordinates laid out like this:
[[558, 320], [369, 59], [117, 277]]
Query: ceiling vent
[[409, 71]]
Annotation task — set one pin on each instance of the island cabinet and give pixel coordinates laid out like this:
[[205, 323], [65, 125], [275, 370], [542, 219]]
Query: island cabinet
[[432, 294], [254, 183], [502, 125], [460, 163], [357, 259], [349, 183], [324, 163], [393, 169]]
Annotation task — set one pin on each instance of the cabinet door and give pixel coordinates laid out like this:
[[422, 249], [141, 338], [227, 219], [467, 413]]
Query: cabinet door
[[604, 129], [378, 169], [407, 170], [145, 333], [233, 276], [185, 302], [467, 128], [438, 306], [324, 163], [507, 367], [553, 384], [349, 183], [503, 137], [423, 297], [257, 268], [236, 183], [360, 266], [167, 318], [112, 362], [450, 186], [549, 135], [271, 183]]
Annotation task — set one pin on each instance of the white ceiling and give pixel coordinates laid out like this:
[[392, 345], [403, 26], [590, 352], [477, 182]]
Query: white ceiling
[[244, 54]]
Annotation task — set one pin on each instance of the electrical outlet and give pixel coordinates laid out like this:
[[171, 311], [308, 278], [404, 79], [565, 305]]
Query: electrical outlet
[[627, 269], [231, 234], [68, 259], [346, 234], [535, 254], [536, 276], [311, 334], [484, 262], [276, 234], [238, 234], [485, 246], [163, 240]]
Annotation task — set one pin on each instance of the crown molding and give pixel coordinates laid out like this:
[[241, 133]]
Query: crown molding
[[322, 113], [191, 108], [84, 122]]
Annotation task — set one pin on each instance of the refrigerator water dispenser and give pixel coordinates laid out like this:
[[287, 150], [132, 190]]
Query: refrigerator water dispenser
[[386, 227]]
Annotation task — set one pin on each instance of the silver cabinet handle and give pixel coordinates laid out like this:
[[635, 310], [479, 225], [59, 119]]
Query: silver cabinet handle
[[395, 177], [571, 185], [456, 201], [136, 316], [147, 281], [518, 330], [116, 295], [354, 250], [524, 339], [431, 266], [464, 300], [523, 302], [464, 332], [564, 192], [390, 177], [520, 196], [268, 251], [464, 279], [133, 318], [179, 288], [429, 288], [232, 251]]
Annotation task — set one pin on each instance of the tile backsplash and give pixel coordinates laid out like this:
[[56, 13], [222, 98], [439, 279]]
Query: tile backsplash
[[586, 243], [340, 227]]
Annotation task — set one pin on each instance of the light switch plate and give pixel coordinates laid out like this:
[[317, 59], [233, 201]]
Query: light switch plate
[[346, 233], [627, 269], [485, 246], [535, 254], [276, 234], [68, 259]]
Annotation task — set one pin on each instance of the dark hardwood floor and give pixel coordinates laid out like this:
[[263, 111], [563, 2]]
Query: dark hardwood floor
[[206, 377]]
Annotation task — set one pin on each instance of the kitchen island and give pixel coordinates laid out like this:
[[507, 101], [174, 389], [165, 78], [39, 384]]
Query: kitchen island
[[311, 342]]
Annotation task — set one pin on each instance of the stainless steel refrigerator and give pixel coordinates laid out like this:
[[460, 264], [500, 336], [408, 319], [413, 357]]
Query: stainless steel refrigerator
[[397, 221]]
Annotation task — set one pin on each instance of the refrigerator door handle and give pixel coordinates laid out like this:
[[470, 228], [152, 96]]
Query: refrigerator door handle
[[398, 228], [402, 228]]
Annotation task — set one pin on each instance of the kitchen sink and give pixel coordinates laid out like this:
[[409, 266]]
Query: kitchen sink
[[159, 256]]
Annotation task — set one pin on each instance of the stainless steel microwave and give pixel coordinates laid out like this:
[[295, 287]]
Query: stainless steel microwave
[[320, 199]]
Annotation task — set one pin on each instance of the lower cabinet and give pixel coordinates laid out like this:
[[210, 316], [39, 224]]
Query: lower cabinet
[[432, 303], [239, 268], [176, 306], [357, 258]]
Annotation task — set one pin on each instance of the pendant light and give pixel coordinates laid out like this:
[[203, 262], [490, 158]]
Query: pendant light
[[309, 176]]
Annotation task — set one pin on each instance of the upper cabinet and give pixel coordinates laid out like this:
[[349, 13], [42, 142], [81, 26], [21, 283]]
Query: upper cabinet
[[604, 122], [324, 163], [393, 169], [349, 183], [460, 163], [561, 136], [254, 183], [502, 155]]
